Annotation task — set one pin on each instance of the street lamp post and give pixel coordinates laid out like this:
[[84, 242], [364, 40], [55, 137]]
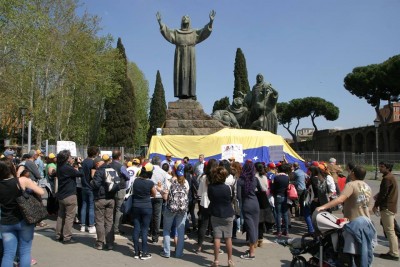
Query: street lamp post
[[23, 113], [376, 124]]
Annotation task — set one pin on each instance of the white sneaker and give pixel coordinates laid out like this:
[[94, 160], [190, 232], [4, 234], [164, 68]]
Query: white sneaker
[[92, 230], [83, 228]]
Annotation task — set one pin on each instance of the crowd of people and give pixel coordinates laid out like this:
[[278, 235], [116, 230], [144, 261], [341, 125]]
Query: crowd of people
[[216, 198]]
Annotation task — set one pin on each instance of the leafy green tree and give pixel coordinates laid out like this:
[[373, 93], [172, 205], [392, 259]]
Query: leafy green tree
[[142, 102], [377, 83], [290, 113], [120, 119], [53, 62], [317, 107], [221, 104], [158, 108], [240, 72]]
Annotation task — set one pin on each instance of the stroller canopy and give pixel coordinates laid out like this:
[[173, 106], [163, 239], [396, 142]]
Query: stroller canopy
[[325, 221]]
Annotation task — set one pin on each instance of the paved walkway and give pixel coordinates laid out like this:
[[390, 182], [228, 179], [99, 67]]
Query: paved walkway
[[51, 253]]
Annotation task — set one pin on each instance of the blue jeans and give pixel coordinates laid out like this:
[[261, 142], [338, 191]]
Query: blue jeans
[[180, 225], [87, 200], [141, 221], [307, 218], [17, 235], [281, 209]]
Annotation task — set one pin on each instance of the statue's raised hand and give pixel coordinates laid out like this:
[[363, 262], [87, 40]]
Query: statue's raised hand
[[158, 16], [212, 15]]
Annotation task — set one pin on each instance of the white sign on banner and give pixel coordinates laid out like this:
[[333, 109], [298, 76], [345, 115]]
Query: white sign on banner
[[275, 153], [232, 150], [67, 145]]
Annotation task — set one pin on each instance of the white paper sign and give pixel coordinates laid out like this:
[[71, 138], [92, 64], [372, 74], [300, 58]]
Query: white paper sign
[[275, 153], [67, 145], [232, 150]]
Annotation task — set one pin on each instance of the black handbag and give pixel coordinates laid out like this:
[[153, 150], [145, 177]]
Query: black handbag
[[126, 206], [31, 206]]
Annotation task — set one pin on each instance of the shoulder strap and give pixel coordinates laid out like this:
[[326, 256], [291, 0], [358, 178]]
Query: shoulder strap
[[19, 185], [231, 188], [23, 192]]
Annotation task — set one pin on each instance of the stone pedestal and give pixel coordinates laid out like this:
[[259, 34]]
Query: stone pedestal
[[187, 117]]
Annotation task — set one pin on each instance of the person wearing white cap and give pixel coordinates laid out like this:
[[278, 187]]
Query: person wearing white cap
[[334, 169], [9, 154], [169, 161]]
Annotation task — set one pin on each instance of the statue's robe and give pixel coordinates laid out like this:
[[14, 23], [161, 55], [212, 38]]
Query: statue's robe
[[185, 58]]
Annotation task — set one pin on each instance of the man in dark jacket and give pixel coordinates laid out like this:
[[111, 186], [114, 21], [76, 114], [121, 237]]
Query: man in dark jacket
[[386, 203], [66, 175], [105, 184]]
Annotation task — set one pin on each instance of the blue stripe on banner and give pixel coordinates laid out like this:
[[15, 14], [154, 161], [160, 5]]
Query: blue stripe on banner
[[260, 154]]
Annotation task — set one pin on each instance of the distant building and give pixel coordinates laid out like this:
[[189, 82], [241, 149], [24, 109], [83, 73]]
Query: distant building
[[305, 134], [396, 112], [356, 140]]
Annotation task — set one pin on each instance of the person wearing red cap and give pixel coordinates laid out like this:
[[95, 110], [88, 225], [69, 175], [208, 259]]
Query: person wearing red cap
[[271, 170]]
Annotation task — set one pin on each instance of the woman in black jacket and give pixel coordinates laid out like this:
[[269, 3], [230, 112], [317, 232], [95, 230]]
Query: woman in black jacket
[[221, 211], [279, 190]]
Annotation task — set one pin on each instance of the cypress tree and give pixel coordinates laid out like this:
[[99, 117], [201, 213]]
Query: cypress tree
[[223, 103], [158, 108], [120, 123], [240, 73]]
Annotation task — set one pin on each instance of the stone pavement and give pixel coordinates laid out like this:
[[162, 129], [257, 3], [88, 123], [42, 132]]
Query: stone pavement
[[51, 253]]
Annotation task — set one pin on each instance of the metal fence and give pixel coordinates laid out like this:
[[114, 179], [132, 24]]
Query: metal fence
[[81, 151], [369, 158]]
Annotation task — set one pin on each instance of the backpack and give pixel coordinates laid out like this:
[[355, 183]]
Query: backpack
[[112, 180], [322, 193], [178, 201]]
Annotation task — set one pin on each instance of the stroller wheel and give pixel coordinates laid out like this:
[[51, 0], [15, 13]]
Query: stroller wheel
[[298, 261]]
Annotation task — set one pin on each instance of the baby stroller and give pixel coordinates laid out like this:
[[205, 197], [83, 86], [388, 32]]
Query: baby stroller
[[321, 245]]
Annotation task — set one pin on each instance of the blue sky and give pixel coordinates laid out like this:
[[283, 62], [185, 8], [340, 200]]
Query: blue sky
[[304, 48]]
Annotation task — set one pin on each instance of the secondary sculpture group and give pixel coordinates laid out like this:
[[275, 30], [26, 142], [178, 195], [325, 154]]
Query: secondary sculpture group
[[255, 110]]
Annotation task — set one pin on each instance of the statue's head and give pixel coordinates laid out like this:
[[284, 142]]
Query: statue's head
[[260, 78], [238, 102], [185, 24]]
